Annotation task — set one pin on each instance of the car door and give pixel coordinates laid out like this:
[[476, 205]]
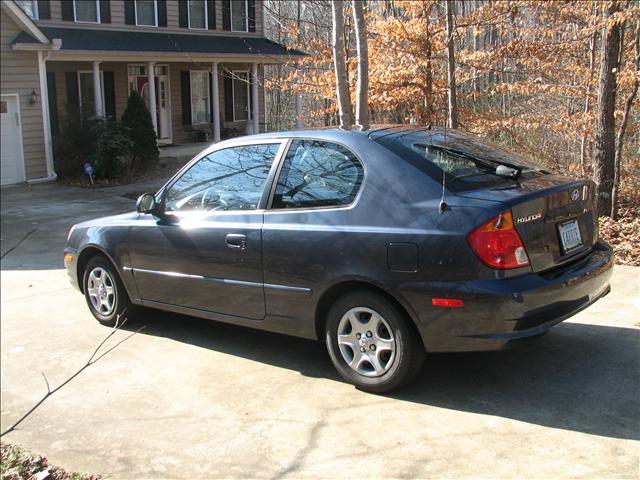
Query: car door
[[310, 232], [204, 251]]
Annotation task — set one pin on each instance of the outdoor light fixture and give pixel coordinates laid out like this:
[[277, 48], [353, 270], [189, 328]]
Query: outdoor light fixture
[[33, 98]]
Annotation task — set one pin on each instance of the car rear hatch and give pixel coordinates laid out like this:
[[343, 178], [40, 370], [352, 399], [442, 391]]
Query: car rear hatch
[[554, 215]]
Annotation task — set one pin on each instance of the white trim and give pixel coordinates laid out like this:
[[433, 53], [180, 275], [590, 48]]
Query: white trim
[[206, 16], [46, 119], [246, 17], [233, 95], [50, 178], [23, 20], [75, 17], [155, 14], [21, 165], [90, 72], [207, 83]]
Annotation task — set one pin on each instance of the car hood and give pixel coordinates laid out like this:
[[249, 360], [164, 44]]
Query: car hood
[[110, 220]]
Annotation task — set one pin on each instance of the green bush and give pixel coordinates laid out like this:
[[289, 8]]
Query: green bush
[[113, 152], [138, 126]]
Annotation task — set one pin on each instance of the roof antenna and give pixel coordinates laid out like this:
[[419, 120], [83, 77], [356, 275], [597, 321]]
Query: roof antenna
[[443, 206]]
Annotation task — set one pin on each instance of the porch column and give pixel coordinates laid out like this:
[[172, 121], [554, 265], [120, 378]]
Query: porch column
[[254, 98], [97, 90], [215, 101], [151, 76]]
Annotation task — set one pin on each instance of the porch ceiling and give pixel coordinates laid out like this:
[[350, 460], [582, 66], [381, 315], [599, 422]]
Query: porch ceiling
[[118, 44]]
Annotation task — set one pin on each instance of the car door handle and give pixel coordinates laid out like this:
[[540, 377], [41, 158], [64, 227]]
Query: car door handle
[[236, 240]]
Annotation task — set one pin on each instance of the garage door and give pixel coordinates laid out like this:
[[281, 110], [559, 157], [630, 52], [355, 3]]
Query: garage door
[[11, 164]]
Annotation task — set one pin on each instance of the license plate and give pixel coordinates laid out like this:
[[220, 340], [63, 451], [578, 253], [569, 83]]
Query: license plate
[[570, 236]]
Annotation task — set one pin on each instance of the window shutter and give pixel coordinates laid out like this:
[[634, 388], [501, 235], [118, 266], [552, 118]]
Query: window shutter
[[109, 94], [67, 10], [44, 10], [228, 98], [226, 14], [130, 12], [185, 86], [105, 11], [73, 102], [162, 13], [53, 101], [211, 14], [183, 14], [251, 7]]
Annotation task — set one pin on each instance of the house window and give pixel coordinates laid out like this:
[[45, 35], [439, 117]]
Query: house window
[[240, 95], [146, 13], [85, 90], [30, 7], [198, 14], [239, 16], [86, 11], [199, 97]]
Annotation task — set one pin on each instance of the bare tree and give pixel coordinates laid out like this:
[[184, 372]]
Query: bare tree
[[451, 71], [342, 85], [362, 89], [623, 124], [604, 155]]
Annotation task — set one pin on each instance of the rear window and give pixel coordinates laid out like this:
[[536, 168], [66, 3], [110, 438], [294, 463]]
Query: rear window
[[467, 163]]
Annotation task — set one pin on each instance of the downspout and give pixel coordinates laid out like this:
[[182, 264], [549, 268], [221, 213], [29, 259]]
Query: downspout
[[46, 119]]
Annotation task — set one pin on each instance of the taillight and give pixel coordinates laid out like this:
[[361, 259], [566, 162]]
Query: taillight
[[498, 244]]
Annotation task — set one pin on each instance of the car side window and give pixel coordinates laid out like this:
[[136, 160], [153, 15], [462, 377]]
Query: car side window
[[229, 179], [317, 174]]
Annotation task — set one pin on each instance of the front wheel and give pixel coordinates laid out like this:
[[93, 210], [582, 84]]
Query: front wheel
[[103, 291], [371, 343]]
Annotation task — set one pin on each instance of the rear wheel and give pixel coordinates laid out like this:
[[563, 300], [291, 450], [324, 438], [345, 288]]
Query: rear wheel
[[103, 291], [371, 343]]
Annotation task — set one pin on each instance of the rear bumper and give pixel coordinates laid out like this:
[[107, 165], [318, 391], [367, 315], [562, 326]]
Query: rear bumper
[[498, 311]]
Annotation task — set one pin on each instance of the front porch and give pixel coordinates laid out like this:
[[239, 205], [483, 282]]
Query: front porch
[[188, 102]]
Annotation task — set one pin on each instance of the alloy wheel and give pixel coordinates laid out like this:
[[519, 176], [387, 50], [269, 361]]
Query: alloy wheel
[[366, 342]]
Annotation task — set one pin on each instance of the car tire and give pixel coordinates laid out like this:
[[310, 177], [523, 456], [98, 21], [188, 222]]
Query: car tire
[[371, 342], [103, 290]]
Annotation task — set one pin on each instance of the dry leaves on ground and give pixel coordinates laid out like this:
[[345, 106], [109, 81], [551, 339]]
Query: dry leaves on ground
[[19, 464]]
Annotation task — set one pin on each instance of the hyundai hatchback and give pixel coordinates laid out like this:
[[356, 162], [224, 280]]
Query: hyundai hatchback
[[385, 244]]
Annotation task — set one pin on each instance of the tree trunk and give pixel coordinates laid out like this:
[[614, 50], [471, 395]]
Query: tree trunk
[[362, 89], [623, 125], [604, 155], [587, 100], [451, 71], [342, 86]]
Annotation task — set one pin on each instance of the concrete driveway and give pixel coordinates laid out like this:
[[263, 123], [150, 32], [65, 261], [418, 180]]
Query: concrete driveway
[[186, 398]]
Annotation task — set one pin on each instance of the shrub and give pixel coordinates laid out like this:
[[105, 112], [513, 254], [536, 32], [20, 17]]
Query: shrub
[[138, 126], [113, 151]]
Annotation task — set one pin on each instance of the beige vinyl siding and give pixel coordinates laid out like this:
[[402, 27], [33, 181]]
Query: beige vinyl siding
[[19, 74], [117, 12], [173, 23]]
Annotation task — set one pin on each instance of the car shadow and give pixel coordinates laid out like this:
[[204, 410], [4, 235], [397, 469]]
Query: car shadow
[[579, 377]]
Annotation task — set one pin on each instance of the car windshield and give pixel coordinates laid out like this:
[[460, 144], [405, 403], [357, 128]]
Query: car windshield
[[467, 163]]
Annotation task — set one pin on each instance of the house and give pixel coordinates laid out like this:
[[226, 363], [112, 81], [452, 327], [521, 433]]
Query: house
[[197, 63]]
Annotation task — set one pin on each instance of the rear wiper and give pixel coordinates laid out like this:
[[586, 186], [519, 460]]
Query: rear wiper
[[500, 169]]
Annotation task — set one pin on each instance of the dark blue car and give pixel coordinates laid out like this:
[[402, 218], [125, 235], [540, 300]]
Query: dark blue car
[[386, 244]]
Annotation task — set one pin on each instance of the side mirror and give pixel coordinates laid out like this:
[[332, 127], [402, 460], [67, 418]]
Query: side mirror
[[146, 203]]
